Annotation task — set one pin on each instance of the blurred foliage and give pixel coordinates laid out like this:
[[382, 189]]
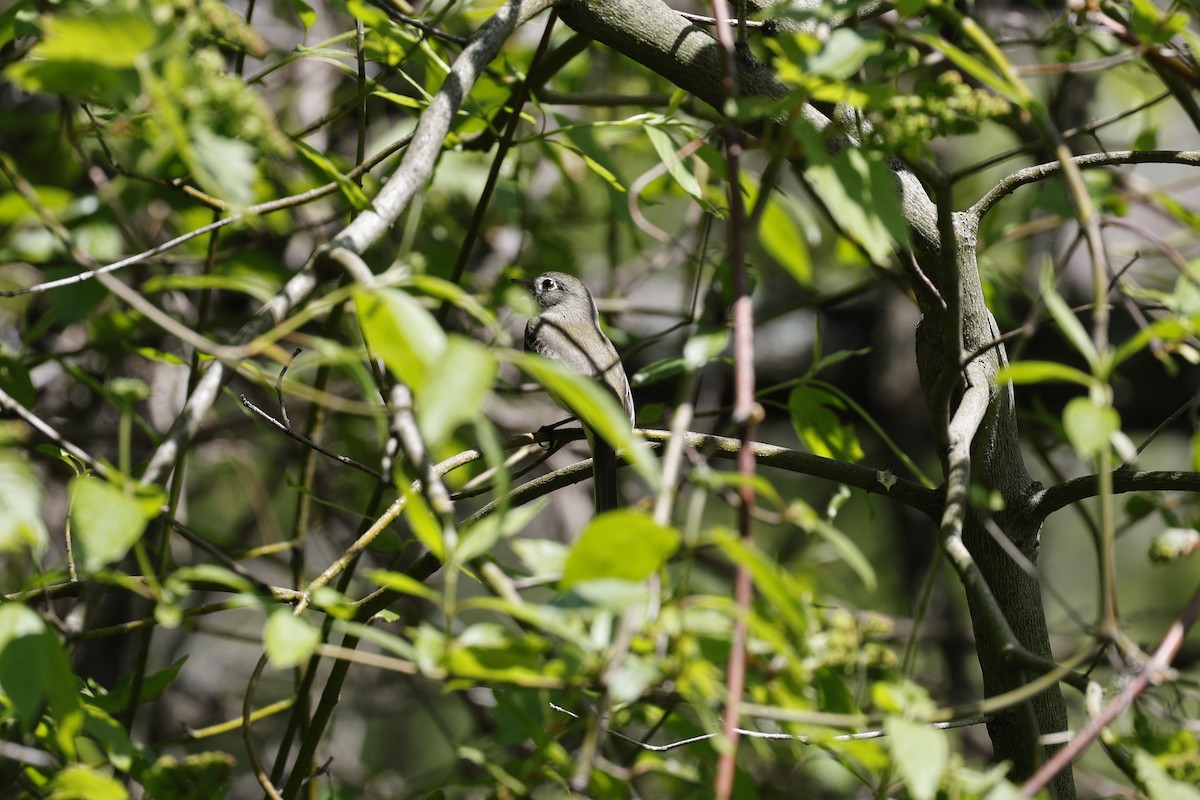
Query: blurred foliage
[[493, 640]]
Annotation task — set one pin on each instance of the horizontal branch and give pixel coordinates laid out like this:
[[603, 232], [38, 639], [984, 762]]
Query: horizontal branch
[[1049, 500], [910, 493], [1042, 171]]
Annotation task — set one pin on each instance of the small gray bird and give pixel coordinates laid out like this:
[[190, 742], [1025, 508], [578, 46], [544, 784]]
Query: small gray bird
[[567, 330]]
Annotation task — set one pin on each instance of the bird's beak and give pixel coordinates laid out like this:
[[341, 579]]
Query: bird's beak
[[523, 282]]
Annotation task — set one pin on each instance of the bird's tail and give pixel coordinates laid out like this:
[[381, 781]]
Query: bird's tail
[[604, 474]]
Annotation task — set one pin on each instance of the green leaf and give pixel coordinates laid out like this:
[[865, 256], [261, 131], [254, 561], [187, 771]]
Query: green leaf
[[1169, 330], [844, 53], [21, 523], [401, 332], [596, 408], [779, 591], [784, 241], [34, 670], [1089, 426], [626, 545], [973, 67], [542, 557], [1159, 784], [224, 167], [289, 640], [860, 193], [847, 550], [423, 521], [1149, 24], [77, 782], [814, 417], [920, 754], [835, 696], [488, 652], [1067, 322], [349, 189], [199, 776], [455, 388], [118, 747], [305, 12], [116, 700], [106, 520], [22, 660], [104, 36], [1042, 372], [704, 347], [404, 584], [483, 535], [667, 150]]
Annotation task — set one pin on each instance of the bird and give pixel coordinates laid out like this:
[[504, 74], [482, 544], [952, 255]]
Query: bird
[[567, 330]]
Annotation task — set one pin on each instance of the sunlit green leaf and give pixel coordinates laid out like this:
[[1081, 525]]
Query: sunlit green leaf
[[1089, 427], [1042, 372], [1159, 785], [79, 782], [455, 388], [490, 652], [424, 523], [223, 167], [626, 545], [704, 347], [860, 192], [1066, 320], [21, 523], [784, 241], [289, 640], [542, 557], [22, 659], [401, 332], [814, 416], [1168, 330], [305, 12], [666, 149], [844, 53], [920, 754], [404, 584], [349, 189], [779, 590], [596, 408], [481, 537], [105, 37], [102, 727], [106, 520]]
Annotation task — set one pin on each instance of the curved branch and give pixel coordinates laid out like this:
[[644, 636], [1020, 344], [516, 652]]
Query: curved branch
[[1047, 501], [419, 159], [1042, 171]]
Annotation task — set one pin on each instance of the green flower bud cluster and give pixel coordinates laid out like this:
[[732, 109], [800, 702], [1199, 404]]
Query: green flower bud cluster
[[946, 106]]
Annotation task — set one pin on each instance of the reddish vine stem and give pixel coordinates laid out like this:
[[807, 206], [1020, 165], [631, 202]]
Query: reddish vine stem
[[744, 412], [1153, 671]]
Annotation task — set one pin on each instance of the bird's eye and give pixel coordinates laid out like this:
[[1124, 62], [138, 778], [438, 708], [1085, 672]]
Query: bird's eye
[[547, 284]]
